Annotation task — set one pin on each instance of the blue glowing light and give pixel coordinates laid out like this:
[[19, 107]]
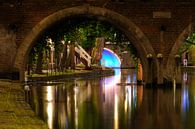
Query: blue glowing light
[[110, 59]]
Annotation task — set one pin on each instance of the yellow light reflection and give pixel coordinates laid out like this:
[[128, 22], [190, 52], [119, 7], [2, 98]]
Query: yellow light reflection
[[115, 111], [50, 115], [49, 94], [139, 95], [126, 97], [50, 107], [174, 91], [76, 107]]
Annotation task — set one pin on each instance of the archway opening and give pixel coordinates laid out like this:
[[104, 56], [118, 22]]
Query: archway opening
[[181, 54], [61, 47], [133, 33], [110, 59]]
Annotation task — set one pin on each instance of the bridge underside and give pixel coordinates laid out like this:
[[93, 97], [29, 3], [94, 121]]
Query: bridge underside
[[160, 64]]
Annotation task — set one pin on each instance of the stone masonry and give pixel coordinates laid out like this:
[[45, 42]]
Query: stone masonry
[[153, 26]]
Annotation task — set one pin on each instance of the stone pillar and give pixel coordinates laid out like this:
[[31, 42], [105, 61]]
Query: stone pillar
[[22, 75], [8, 50], [149, 76], [177, 70], [160, 69], [139, 73]]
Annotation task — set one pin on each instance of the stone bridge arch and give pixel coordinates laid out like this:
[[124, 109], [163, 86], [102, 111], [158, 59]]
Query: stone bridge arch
[[171, 63], [133, 32]]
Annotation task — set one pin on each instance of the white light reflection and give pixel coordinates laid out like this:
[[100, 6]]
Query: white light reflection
[[134, 78], [135, 96], [49, 94], [50, 115], [116, 111], [185, 78], [111, 97], [76, 90], [128, 79], [111, 81], [50, 107], [185, 94], [129, 96]]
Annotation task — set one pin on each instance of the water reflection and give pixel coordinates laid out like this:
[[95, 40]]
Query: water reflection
[[103, 104], [115, 111], [50, 105]]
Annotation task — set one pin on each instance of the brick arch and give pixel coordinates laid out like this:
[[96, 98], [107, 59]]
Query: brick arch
[[171, 59], [139, 40]]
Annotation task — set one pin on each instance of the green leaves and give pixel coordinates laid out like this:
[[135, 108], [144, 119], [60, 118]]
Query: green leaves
[[82, 30], [187, 44]]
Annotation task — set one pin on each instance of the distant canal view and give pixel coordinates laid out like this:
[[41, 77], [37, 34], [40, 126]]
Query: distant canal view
[[114, 102]]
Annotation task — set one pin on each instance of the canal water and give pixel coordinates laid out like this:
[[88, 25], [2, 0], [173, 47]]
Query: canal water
[[114, 102]]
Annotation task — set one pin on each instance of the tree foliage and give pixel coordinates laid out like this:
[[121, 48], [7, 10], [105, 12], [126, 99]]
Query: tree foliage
[[187, 44], [82, 30]]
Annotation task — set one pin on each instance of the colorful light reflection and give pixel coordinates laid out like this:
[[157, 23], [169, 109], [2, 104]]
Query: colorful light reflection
[[110, 59]]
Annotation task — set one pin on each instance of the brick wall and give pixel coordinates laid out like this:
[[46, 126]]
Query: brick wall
[[7, 48]]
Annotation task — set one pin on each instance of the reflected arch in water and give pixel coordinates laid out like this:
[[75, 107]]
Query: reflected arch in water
[[110, 59]]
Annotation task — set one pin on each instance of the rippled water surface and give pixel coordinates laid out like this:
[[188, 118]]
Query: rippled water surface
[[114, 102]]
